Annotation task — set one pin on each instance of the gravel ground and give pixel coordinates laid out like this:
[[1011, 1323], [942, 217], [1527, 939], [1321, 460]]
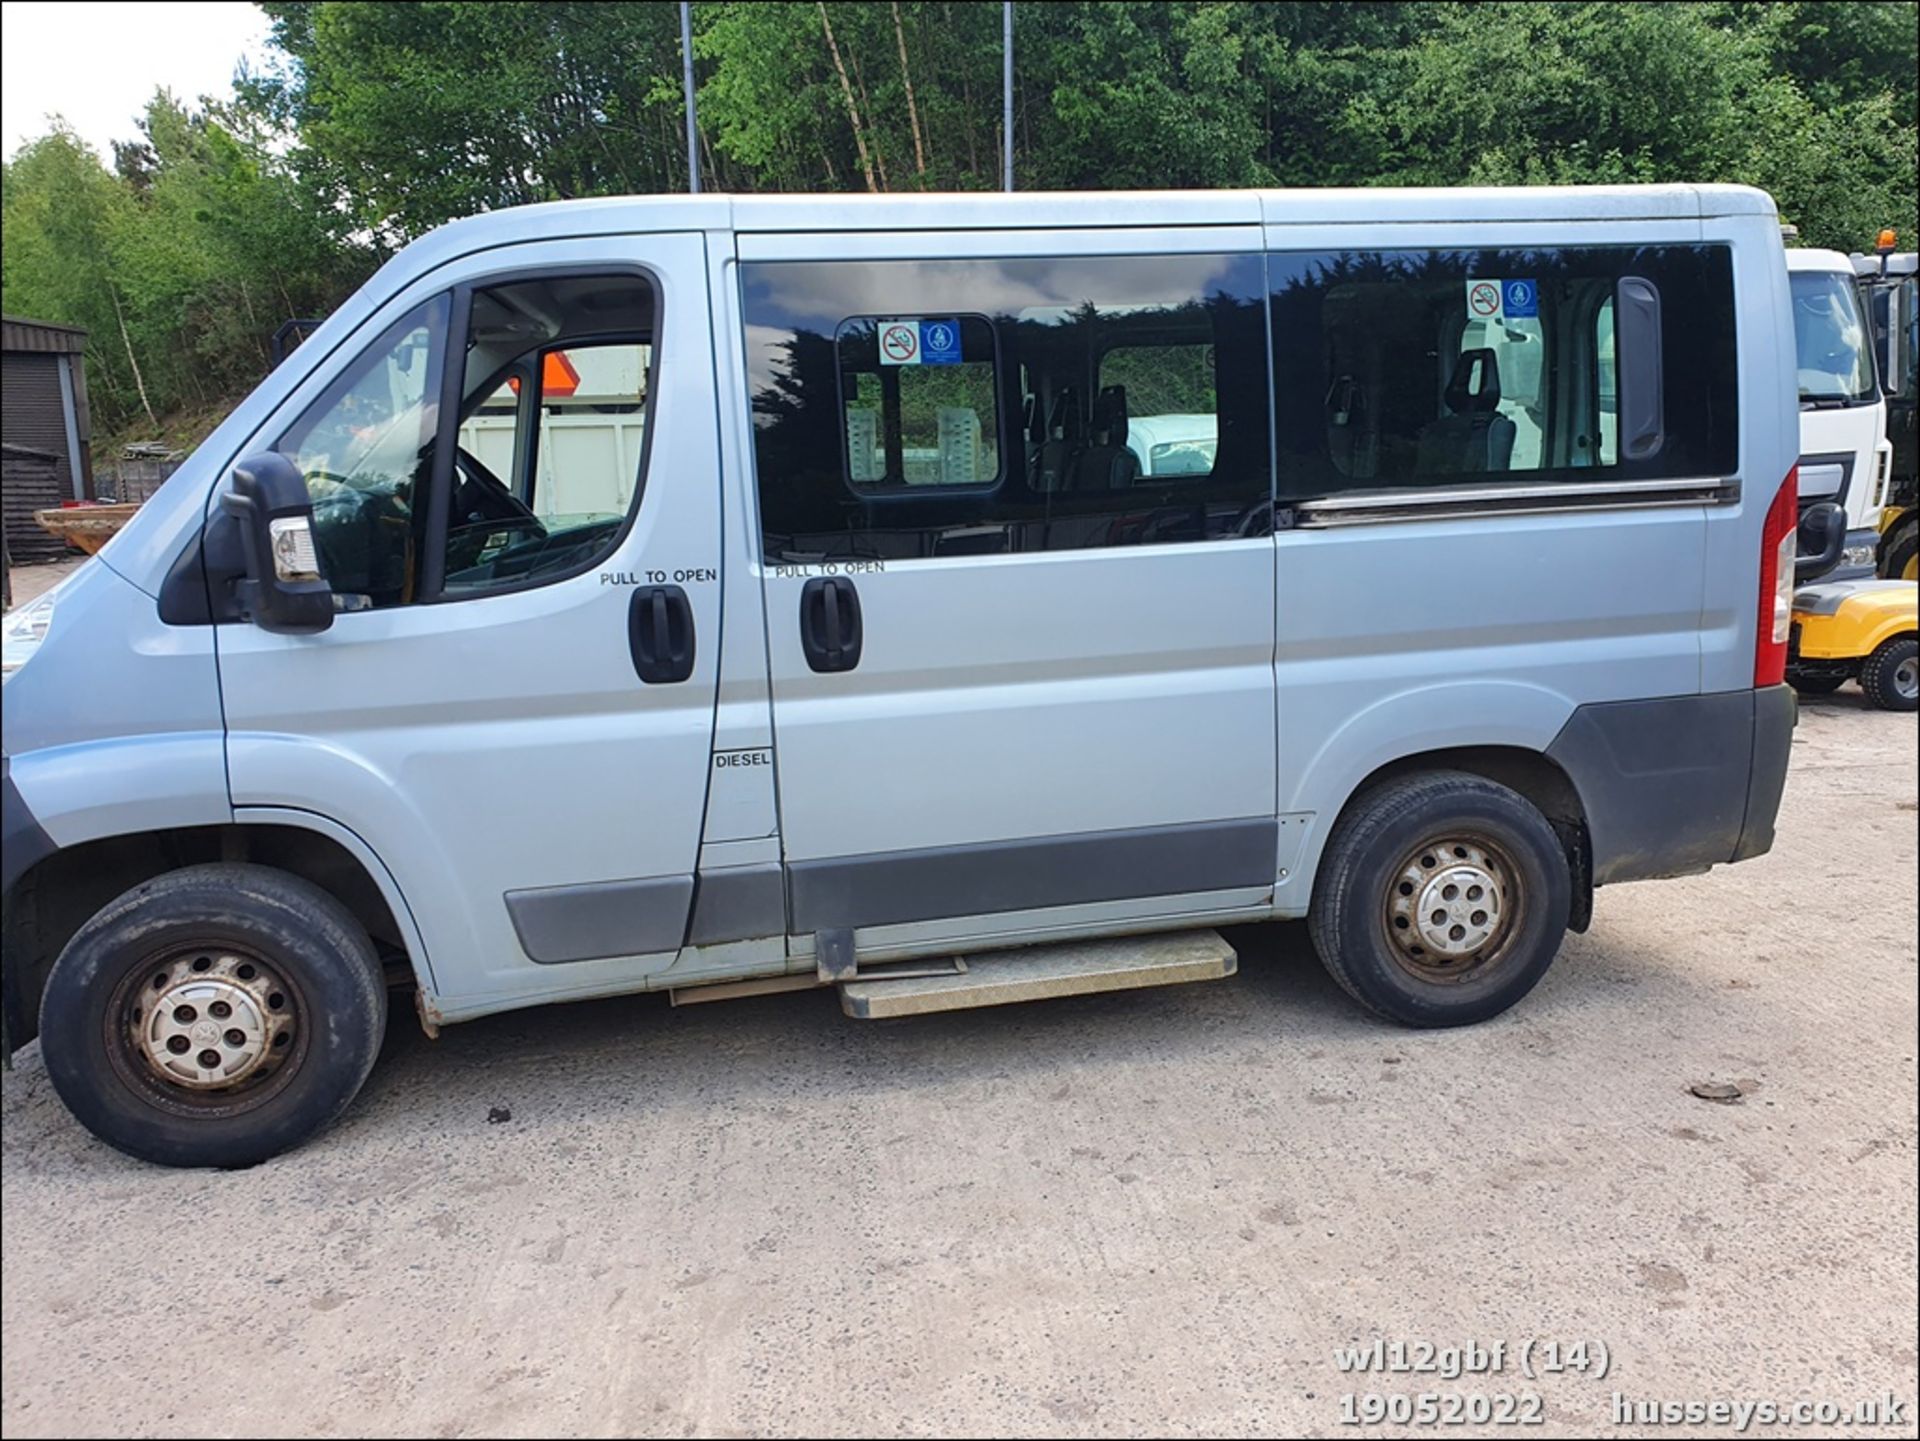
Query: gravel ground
[[1155, 1212]]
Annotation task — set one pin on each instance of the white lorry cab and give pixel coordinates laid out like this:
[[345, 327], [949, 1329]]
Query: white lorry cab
[[1845, 457], [717, 595]]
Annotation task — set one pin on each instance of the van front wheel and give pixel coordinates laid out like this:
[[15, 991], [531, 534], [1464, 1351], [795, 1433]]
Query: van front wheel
[[213, 1016], [1442, 899]]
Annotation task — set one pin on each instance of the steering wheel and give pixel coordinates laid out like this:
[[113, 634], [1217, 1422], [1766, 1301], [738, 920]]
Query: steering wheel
[[481, 496]]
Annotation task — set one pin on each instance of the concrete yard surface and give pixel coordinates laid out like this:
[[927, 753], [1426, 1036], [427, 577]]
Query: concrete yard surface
[[30, 582], [1152, 1212]]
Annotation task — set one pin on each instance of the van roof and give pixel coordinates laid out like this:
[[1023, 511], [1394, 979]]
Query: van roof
[[1087, 209]]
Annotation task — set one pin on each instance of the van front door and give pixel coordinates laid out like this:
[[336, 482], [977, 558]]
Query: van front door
[[514, 708], [1018, 577]]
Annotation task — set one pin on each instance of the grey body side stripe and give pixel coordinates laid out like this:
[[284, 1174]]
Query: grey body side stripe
[[557, 924], [925, 885], [740, 903]]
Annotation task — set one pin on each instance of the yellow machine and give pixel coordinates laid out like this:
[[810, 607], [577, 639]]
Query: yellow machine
[[1864, 630]]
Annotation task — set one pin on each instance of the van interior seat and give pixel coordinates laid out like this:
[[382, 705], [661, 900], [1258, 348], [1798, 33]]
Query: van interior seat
[[1065, 436], [1108, 464], [1474, 436]]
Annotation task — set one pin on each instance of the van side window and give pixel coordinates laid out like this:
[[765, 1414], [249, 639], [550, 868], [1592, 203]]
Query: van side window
[[908, 409], [365, 447], [921, 401], [547, 441], [1443, 368]]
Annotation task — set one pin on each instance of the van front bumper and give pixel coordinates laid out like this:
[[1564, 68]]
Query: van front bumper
[[1675, 785]]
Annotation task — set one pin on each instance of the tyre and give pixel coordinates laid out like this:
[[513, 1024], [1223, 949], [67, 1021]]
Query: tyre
[[1891, 675], [213, 1016], [1817, 684], [1441, 900], [1900, 555]]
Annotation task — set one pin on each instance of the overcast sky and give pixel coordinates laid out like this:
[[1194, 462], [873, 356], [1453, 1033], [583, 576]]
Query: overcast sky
[[98, 64]]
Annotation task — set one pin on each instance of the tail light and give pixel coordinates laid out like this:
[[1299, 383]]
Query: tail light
[[1777, 547]]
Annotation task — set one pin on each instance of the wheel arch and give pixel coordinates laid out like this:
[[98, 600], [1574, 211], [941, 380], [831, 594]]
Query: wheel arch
[[62, 890], [1532, 774]]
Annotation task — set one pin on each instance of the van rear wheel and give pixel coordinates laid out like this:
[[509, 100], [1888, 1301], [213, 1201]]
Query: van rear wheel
[[1442, 899], [213, 1016]]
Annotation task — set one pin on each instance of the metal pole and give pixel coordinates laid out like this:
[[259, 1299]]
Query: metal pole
[[686, 78], [1006, 94]]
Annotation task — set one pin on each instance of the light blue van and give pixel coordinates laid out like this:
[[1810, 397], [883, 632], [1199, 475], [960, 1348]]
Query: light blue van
[[863, 646]]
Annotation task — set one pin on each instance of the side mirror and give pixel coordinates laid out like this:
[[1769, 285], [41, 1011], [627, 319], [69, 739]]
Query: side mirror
[[1822, 539], [284, 591]]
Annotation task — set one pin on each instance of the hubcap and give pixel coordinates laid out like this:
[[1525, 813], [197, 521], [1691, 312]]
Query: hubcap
[[1906, 678], [212, 1020], [1450, 907]]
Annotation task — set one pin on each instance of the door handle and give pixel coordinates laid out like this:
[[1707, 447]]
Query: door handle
[[830, 623], [660, 634]]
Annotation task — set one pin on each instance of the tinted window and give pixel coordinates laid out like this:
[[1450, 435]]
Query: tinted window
[[1421, 368], [1085, 403]]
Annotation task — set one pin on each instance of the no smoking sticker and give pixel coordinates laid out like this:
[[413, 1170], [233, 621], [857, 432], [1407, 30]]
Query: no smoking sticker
[[900, 342], [919, 342], [1483, 299]]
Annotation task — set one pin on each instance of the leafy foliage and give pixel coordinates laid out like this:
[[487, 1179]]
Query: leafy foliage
[[185, 249]]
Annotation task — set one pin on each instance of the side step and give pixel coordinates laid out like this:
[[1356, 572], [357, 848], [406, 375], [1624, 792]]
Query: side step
[[1033, 973]]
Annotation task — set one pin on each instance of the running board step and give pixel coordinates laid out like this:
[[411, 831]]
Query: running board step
[[1034, 973]]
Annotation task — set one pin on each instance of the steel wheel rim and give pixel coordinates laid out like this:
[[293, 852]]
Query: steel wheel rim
[[207, 1027], [1452, 907], [1906, 678]]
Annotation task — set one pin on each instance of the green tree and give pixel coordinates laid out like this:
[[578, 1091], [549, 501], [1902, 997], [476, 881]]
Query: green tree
[[410, 114]]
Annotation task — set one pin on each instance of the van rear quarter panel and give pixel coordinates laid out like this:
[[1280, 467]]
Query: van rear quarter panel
[[1769, 446], [1405, 637]]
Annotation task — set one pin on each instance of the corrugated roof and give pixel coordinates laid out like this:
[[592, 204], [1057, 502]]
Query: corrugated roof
[[17, 333]]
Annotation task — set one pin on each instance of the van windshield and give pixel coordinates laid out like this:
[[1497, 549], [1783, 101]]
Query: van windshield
[[1834, 363]]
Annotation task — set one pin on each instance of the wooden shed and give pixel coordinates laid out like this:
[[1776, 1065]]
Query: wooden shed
[[29, 481], [43, 400]]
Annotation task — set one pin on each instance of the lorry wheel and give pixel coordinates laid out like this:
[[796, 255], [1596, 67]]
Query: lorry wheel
[[1442, 899], [213, 1016], [1817, 684], [1900, 559], [1891, 675]]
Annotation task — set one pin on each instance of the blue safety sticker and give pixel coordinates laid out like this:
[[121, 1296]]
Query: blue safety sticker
[[939, 342], [1522, 299]]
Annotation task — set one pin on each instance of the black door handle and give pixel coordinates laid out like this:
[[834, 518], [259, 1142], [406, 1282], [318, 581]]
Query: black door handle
[[660, 634], [830, 623]]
